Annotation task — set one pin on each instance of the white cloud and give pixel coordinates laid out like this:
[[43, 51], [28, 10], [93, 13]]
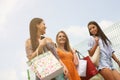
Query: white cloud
[[6, 6], [104, 24], [77, 31], [8, 75], [24, 75], [76, 34], [20, 70], [23, 66]]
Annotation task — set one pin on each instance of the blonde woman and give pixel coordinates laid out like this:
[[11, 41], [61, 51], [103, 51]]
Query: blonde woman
[[67, 55]]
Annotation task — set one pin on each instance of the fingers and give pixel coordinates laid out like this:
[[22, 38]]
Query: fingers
[[46, 40], [119, 63], [96, 39], [66, 72]]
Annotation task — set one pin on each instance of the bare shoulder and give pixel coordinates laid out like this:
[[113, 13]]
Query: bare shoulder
[[28, 42], [73, 50], [48, 38]]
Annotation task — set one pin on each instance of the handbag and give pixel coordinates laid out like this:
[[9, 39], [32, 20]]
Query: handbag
[[96, 56], [90, 69], [45, 66], [82, 66]]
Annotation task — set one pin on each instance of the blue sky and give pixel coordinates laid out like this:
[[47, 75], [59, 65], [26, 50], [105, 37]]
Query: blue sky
[[71, 16]]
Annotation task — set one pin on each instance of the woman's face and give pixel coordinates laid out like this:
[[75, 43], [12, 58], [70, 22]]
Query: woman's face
[[61, 38], [93, 29], [41, 28]]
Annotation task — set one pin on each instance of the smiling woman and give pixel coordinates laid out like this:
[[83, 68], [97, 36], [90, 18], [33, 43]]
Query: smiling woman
[[37, 45], [15, 15], [98, 38], [67, 55]]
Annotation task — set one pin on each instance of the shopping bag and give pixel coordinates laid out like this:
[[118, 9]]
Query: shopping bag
[[30, 75], [96, 56], [91, 69], [81, 68], [45, 66]]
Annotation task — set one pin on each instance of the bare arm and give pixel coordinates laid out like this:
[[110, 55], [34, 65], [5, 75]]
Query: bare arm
[[75, 58], [92, 50], [44, 42], [64, 68], [116, 59], [29, 51]]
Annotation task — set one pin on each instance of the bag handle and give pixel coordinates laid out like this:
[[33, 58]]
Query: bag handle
[[28, 74], [78, 53], [37, 50]]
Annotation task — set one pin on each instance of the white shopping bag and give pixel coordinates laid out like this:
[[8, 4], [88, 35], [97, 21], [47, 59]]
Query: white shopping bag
[[82, 68], [46, 66]]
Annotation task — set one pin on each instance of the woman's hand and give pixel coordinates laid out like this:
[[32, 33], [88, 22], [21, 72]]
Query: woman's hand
[[64, 68], [93, 49], [65, 71], [96, 39], [43, 43], [118, 62]]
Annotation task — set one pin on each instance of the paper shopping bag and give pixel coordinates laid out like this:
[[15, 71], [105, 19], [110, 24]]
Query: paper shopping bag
[[91, 69], [96, 56], [46, 66], [81, 68]]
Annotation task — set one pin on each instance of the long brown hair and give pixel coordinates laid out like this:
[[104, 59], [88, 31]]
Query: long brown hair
[[67, 45], [33, 32], [100, 33]]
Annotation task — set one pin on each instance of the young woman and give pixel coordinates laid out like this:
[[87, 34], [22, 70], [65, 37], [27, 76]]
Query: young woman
[[98, 37], [36, 45], [67, 55]]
